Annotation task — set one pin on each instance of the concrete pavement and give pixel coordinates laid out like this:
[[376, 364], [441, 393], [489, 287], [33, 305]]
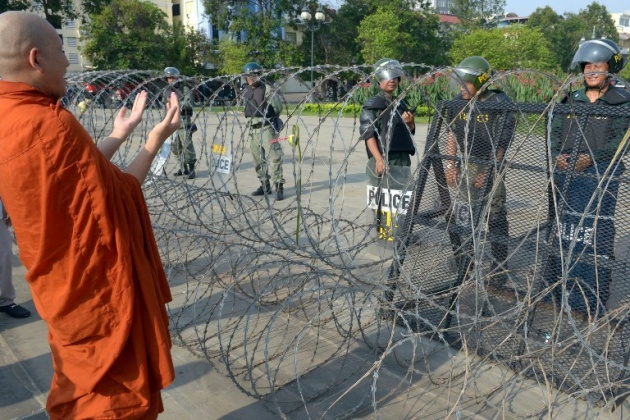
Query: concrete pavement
[[199, 390]]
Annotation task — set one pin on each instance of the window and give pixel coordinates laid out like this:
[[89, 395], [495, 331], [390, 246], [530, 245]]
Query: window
[[290, 37], [624, 21], [175, 9], [73, 58], [71, 41], [69, 23]]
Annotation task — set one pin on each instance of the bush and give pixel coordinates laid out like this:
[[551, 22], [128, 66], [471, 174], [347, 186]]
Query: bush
[[349, 109], [354, 109]]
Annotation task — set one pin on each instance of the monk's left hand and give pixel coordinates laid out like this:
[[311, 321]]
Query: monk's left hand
[[123, 125], [166, 127]]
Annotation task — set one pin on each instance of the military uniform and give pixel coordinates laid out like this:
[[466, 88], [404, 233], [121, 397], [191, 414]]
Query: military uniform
[[267, 156]]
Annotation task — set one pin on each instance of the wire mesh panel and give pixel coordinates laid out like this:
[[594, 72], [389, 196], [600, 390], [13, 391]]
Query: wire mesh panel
[[517, 245]]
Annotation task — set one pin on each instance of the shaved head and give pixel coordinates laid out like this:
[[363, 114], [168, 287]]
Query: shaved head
[[20, 31], [31, 52]]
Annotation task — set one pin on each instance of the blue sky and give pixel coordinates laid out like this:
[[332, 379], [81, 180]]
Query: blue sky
[[524, 8]]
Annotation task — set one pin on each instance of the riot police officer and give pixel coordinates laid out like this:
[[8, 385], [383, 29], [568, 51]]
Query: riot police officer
[[267, 155], [181, 141], [483, 136], [387, 126], [587, 165]]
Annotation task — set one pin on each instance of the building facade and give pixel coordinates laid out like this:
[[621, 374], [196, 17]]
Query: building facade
[[622, 22]]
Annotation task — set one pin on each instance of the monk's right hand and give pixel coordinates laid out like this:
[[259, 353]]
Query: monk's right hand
[[123, 125]]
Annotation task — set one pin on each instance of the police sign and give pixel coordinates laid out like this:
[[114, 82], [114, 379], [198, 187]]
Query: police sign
[[222, 164], [394, 201], [221, 161]]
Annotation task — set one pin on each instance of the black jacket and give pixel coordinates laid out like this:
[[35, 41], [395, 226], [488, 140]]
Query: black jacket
[[381, 118]]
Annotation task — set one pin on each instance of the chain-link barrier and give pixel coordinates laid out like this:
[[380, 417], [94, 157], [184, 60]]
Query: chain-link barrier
[[487, 279]]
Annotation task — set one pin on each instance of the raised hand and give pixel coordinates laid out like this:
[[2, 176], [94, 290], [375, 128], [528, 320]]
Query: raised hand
[[123, 125]]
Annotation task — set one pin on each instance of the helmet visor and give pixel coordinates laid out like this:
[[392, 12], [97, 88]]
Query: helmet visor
[[462, 75], [389, 73], [592, 52]]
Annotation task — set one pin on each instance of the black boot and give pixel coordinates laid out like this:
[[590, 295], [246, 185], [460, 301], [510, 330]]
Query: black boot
[[263, 189], [180, 172], [279, 192], [191, 171]]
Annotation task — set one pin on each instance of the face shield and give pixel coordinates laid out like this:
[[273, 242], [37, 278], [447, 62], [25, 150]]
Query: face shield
[[388, 69], [389, 73], [460, 76], [594, 51]]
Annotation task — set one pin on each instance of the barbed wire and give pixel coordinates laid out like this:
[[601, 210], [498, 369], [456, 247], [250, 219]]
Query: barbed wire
[[304, 305]]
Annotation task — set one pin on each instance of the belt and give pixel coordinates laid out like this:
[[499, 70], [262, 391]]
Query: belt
[[260, 125]]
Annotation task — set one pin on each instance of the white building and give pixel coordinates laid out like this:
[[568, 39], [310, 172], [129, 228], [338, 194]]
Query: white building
[[622, 22]]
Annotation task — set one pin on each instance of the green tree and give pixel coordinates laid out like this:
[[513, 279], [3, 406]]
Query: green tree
[[6, 5], [552, 26], [232, 57], [344, 31], [565, 34], [92, 7], [403, 34], [256, 23], [56, 11], [127, 34], [477, 13], [598, 22], [513, 47], [187, 49]]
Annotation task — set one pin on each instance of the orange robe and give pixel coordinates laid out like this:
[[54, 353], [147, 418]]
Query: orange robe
[[85, 238]]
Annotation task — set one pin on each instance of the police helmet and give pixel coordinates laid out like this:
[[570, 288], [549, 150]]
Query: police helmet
[[599, 51], [473, 69], [172, 72], [387, 69], [252, 68]]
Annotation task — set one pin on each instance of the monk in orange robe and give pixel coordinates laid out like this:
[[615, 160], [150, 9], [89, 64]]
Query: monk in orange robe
[[84, 234]]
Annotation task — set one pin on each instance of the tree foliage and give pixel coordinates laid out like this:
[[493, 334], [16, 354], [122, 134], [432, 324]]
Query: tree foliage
[[126, 34], [474, 14], [344, 31], [257, 23], [132, 34], [187, 49], [232, 57], [6, 5], [403, 34], [564, 34], [508, 48]]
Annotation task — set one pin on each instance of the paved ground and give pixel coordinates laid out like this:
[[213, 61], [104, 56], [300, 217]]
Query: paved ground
[[199, 391]]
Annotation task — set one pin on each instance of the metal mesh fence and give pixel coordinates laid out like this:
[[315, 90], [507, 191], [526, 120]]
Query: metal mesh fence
[[493, 285]]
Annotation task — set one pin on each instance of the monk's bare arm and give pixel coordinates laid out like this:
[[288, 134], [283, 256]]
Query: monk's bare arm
[[141, 164], [123, 126]]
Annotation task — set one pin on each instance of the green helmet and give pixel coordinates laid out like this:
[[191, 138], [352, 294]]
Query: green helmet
[[474, 69], [252, 67], [172, 72], [599, 51], [387, 69]]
